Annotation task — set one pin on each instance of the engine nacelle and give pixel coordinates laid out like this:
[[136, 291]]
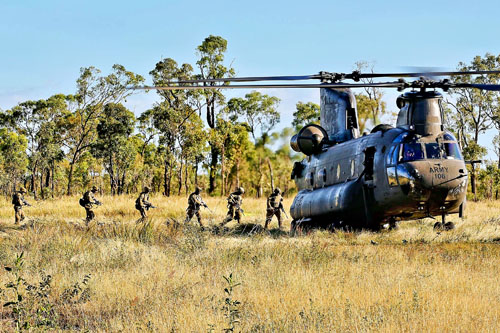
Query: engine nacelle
[[309, 140]]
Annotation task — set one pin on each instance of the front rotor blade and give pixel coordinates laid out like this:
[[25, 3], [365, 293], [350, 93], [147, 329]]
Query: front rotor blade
[[427, 74], [490, 87], [259, 86]]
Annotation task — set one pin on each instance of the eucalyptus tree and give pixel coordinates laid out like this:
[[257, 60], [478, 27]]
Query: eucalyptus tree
[[211, 65], [113, 144], [474, 110], [93, 92], [257, 110]]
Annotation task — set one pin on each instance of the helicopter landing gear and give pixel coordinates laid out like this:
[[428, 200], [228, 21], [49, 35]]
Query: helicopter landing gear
[[445, 226], [393, 224]]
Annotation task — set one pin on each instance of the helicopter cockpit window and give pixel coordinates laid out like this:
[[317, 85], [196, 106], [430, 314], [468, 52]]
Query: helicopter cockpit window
[[452, 151], [433, 151], [411, 152], [449, 137]]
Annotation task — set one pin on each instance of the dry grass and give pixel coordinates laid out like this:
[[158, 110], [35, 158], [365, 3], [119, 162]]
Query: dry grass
[[165, 277]]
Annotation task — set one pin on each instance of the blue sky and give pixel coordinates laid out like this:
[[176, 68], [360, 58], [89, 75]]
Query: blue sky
[[44, 43]]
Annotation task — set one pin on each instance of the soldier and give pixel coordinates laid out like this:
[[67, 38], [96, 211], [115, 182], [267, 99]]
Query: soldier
[[18, 202], [88, 201], [142, 203], [274, 207], [194, 204], [234, 202]]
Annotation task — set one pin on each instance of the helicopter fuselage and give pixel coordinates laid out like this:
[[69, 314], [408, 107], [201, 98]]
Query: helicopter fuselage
[[412, 171]]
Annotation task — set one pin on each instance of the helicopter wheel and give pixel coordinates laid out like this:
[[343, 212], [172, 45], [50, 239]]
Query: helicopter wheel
[[438, 226]]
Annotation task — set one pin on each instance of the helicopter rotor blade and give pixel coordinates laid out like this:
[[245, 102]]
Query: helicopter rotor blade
[[395, 84], [335, 77], [489, 87]]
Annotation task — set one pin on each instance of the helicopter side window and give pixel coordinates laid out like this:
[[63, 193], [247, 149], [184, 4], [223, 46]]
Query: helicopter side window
[[452, 151], [391, 176], [411, 152], [433, 151], [392, 155]]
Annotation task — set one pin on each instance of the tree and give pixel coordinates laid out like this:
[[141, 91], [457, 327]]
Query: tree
[[172, 114], [93, 92], [113, 144], [211, 65], [257, 110], [369, 103], [13, 159], [474, 109], [307, 113], [42, 123]]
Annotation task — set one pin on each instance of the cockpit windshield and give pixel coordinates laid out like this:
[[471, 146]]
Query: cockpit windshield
[[407, 148], [411, 152]]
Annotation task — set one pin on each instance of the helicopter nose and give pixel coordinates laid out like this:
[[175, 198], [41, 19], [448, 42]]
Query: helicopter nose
[[438, 183]]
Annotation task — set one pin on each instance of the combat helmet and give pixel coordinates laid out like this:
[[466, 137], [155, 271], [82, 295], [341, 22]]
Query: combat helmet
[[197, 190], [22, 190], [240, 189], [146, 189], [277, 190], [94, 189]]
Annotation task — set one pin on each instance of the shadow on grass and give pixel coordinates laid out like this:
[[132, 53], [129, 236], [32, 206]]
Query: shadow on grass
[[246, 230]]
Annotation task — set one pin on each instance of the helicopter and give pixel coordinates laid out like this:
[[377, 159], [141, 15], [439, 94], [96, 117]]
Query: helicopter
[[409, 171]]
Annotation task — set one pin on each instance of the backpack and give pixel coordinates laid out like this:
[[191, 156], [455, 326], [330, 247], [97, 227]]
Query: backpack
[[14, 201], [82, 202]]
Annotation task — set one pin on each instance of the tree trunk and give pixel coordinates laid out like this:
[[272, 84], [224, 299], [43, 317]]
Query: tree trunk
[[238, 173], [52, 179], [179, 178], [186, 176], [223, 170], [196, 172], [165, 179], [213, 167], [473, 181], [271, 174]]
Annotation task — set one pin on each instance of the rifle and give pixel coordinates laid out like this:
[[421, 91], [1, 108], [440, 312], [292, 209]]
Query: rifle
[[98, 203], [150, 206], [242, 211], [283, 210], [206, 206]]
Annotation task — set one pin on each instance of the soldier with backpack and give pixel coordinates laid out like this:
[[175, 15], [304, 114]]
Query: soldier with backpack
[[142, 203], [18, 202], [88, 201]]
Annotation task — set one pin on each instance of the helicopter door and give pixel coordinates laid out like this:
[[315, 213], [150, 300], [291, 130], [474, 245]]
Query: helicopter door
[[368, 187], [368, 163]]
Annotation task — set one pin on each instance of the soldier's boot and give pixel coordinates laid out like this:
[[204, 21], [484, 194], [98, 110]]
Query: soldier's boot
[[279, 223], [267, 222]]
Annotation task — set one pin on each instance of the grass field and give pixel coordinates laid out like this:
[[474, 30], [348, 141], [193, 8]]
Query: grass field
[[163, 277]]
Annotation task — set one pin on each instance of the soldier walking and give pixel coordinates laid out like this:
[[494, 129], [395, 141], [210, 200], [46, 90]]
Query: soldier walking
[[195, 202], [88, 201], [142, 203], [234, 202], [274, 207], [18, 202]]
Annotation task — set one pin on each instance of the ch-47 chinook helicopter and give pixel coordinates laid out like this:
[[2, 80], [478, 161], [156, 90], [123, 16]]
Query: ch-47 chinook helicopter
[[413, 170]]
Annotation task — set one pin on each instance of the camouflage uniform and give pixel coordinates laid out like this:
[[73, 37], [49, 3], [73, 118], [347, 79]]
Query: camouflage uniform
[[18, 202], [142, 203], [234, 202], [274, 206], [88, 201], [194, 204]]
